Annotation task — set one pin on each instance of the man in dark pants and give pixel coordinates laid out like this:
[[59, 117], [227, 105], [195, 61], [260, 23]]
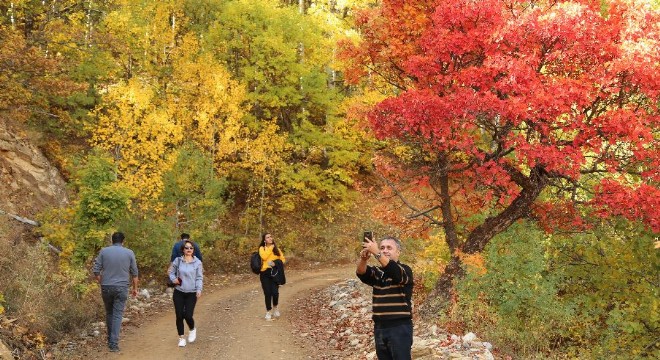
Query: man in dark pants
[[113, 267], [392, 284], [177, 250]]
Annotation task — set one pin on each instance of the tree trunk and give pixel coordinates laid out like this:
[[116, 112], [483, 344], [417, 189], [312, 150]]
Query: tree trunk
[[441, 295], [518, 209], [89, 26], [482, 234], [445, 284], [11, 16], [451, 237]]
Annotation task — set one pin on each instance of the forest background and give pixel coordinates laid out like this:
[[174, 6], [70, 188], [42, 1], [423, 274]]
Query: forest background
[[511, 145]]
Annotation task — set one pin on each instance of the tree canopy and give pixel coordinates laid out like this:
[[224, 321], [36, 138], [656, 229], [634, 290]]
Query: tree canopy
[[516, 109]]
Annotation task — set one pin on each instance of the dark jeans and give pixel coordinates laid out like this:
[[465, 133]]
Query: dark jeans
[[271, 290], [394, 343], [184, 307], [114, 299]]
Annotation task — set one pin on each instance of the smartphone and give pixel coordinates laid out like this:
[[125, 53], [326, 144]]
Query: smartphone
[[368, 235]]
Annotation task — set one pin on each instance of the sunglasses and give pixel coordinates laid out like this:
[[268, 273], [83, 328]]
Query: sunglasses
[[188, 247]]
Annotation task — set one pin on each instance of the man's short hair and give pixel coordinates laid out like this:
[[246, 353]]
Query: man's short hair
[[396, 241], [185, 236], [117, 238]]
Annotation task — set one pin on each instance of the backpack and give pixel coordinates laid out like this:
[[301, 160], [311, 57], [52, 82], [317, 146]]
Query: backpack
[[255, 262]]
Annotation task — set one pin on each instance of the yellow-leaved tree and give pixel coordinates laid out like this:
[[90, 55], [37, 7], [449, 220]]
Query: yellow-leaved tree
[[210, 106], [142, 122], [139, 133], [213, 111]]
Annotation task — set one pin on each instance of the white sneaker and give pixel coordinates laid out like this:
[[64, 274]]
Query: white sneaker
[[182, 342], [276, 313], [268, 316], [192, 336]]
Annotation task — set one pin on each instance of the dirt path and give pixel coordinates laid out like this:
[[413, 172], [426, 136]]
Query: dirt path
[[230, 324]]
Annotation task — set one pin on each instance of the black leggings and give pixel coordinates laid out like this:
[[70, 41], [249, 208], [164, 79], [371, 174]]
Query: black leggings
[[271, 289], [184, 307]]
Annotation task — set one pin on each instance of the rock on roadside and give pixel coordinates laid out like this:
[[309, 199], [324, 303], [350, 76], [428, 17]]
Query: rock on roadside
[[336, 323]]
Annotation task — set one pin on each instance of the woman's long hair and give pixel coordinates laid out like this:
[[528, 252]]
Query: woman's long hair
[[186, 242], [276, 250]]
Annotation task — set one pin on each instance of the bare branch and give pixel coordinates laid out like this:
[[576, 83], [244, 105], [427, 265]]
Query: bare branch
[[21, 219], [408, 204], [51, 247], [424, 212]]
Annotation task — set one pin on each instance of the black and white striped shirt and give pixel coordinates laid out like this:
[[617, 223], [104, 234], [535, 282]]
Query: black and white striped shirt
[[392, 291]]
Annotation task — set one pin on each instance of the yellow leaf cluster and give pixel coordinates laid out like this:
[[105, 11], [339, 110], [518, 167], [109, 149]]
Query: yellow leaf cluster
[[474, 262], [139, 135], [209, 106], [206, 102], [142, 123], [432, 259]]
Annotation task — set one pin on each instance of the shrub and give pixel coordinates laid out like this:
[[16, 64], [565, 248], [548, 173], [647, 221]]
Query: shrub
[[587, 295], [150, 240], [521, 310], [611, 280], [47, 303]]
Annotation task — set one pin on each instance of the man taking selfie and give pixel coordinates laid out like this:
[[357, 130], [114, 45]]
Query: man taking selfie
[[392, 284]]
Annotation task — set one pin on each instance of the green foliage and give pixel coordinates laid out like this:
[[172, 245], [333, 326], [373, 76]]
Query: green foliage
[[193, 199], [330, 161], [103, 200], [81, 229], [593, 294], [283, 57], [527, 315], [612, 283], [150, 239], [262, 44], [193, 196]]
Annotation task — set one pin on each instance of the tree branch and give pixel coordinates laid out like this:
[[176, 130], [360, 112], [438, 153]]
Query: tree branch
[[435, 207], [407, 203], [51, 247], [519, 208], [21, 219]]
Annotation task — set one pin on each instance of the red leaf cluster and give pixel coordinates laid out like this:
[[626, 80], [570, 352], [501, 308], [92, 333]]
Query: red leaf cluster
[[639, 203], [502, 87]]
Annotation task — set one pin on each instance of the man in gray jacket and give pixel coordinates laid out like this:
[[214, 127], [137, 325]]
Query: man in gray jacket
[[115, 267]]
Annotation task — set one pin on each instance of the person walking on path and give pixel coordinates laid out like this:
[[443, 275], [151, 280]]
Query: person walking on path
[[114, 267], [269, 253], [177, 252], [187, 273], [392, 284]]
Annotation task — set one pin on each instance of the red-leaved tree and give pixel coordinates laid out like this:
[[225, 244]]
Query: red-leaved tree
[[546, 110]]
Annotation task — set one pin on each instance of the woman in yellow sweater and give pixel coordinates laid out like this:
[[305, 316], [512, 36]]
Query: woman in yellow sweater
[[269, 253]]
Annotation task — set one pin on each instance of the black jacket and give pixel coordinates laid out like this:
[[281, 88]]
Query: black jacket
[[277, 272]]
